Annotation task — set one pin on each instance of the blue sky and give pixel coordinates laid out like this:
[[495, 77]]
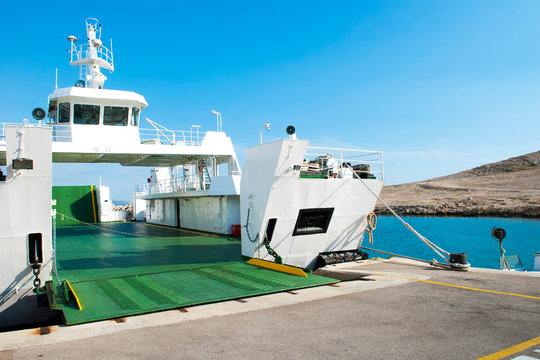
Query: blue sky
[[439, 86]]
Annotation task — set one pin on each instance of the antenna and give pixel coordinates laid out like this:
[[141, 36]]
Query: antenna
[[91, 57], [219, 119], [267, 126]]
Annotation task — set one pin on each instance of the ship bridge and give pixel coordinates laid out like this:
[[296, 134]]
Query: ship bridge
[[92, 125]]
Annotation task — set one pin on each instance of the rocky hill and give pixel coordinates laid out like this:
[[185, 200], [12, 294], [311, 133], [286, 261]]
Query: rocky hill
[[506, 188]]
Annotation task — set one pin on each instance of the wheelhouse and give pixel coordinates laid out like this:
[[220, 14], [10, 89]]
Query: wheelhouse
[[79, 113]]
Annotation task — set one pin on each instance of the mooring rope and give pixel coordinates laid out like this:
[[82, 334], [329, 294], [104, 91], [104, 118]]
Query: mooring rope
[[438, 250], [432, 262], [371, 225]]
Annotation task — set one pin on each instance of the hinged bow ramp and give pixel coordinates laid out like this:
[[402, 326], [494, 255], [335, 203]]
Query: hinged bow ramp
[[102, 299], [136, 268]]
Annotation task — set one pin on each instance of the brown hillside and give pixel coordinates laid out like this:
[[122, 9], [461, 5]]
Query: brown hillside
[[506, 188]]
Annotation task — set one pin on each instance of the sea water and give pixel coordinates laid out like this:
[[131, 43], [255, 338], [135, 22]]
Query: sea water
[[458, 235]]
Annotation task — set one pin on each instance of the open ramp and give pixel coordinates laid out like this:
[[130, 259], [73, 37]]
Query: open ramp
[[117, 297], [127, 271]]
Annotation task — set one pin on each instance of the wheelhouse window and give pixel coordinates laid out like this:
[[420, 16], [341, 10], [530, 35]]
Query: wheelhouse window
[[115, 115], [86, 114], [135, 116], [63, 112]]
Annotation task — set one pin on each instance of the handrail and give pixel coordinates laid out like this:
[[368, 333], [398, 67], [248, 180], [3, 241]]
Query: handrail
[[159, 130], [344, 149], [336, 160], [62, 133], [81, 52], [194, 182]]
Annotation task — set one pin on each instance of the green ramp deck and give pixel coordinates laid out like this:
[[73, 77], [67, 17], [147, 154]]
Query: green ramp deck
[[121, 269]]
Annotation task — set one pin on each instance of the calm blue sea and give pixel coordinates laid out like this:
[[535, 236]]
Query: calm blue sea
[[458, 234], [121, 202]]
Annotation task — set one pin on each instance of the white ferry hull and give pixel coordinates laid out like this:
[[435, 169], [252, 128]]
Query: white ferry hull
[[25, 225], [272, 190]]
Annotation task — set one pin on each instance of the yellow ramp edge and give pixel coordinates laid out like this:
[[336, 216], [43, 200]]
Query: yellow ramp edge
[[93, 204], [277, 267], [74, 295]]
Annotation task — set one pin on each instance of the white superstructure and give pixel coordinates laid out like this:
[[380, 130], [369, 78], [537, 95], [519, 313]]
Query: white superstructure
[[306, 201], [91, 124]]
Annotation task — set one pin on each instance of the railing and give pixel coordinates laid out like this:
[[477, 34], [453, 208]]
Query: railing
[[3, 131], [61, 133], [157, 135], [162, 135], [82, 52], [194, 182], [337, 162]]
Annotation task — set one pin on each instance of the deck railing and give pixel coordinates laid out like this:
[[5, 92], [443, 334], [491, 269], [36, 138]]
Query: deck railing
[[157, 135], [194, 182], [338, 162], [3, 131], [82, 52], [162, 135]]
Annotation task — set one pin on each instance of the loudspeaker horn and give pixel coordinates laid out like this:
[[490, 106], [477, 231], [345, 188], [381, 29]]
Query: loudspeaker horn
[[39, 113]]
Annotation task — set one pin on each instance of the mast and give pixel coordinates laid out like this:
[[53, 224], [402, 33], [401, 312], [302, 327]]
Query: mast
[[91, 57]]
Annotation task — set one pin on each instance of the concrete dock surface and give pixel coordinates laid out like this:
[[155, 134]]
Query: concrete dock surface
[[387, 309]]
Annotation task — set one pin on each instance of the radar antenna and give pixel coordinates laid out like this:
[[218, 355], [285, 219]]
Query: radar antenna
[[91, 57]]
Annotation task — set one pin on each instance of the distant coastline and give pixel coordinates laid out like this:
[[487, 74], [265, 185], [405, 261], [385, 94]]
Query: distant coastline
[[508, 188], [436, 211]]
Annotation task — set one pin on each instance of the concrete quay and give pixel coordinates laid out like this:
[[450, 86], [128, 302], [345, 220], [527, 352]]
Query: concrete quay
[[385, 309]]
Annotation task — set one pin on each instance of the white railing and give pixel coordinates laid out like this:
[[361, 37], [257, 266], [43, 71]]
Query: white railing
[[339, 161], [3, 131], [61, 133], [162, 135], [82, 52], [194, 182], [40, 123], [158, 135]]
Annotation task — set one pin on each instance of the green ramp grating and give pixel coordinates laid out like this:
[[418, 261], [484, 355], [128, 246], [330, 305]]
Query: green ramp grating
[[137, 294]]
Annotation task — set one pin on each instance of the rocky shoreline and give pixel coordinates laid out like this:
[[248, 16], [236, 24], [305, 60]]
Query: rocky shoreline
[[458, 210], [508, 188]]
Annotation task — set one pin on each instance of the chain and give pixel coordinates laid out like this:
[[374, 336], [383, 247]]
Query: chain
[[35, 270], [272, 252], [54, 268], [247, 229], [266, 243], [253, 240]]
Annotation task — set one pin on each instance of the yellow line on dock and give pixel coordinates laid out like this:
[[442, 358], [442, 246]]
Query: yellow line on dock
[[460, 286], [189, 231], [512, 350]]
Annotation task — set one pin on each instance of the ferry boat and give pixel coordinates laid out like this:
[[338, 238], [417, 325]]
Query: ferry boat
[[296, 207]]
